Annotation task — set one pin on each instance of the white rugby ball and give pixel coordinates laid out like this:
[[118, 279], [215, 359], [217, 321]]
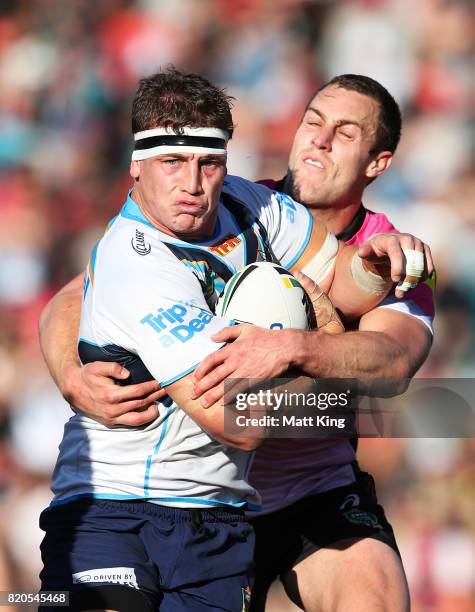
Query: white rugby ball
[[267, 295]]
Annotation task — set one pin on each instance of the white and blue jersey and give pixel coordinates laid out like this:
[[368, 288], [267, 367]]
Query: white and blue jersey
[[149, 304]]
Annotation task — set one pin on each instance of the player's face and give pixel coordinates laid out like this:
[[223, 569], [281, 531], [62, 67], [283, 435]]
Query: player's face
[[330, 157], [179, 193]]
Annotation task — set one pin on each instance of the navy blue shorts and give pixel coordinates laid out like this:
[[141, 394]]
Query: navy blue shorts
[[147, 557]]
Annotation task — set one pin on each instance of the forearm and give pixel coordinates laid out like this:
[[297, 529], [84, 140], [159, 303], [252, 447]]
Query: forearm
[[58, 329], [211, 419], [347, 293], [364, 355], [383, 357]]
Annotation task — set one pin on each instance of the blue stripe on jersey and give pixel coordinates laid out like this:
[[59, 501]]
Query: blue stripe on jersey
[[194, 500], [155, 450], [306, 241], [111, 222], [86, 283], [131, 210]]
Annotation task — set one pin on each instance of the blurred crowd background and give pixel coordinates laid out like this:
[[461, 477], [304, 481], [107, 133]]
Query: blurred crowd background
[[67, 74]]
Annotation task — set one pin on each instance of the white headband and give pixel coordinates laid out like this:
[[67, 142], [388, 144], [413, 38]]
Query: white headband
[[160, 141]]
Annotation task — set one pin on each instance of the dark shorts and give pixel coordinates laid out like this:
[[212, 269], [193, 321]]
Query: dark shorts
[[286, 537], [142, 556]]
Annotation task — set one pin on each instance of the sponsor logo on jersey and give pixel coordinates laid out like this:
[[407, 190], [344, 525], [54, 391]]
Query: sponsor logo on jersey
[[230, 243], [110, 575], [287, 204], [139, 245], [359, 517], [179, 323]]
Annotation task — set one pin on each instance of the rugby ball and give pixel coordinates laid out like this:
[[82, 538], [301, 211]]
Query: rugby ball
[[265, 294]]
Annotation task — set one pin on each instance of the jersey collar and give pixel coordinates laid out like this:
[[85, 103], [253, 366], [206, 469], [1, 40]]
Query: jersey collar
[[351, 229]]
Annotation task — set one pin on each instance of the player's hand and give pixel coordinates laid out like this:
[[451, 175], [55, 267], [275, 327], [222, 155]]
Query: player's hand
[[326, 317], [396, 256], [251, 352], [92, 389]]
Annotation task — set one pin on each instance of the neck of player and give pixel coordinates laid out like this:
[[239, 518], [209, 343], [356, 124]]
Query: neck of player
[[336, 219]]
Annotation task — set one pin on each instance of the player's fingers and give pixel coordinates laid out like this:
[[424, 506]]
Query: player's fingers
[[213, 378], [310, 286], [413, 269], [225, 390], [138, 417], [396, 259], [118, 394], [407, 241], [213, 396], [366, 250], [209, 363], [109, 370], [429, 261], [112, 411], [227, 334]]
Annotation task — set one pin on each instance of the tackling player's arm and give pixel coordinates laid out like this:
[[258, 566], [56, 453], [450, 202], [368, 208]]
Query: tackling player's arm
[[92, 388], [387, 350], [357, 284], [58, 329], [389, 347]]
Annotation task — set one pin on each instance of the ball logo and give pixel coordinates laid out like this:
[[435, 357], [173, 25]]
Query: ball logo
[[139, 245]]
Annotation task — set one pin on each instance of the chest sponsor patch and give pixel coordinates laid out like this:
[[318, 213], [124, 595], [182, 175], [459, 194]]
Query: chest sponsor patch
[[225, 247]]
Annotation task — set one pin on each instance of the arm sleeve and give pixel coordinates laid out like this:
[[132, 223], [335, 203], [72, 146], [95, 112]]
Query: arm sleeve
[[418, 303]]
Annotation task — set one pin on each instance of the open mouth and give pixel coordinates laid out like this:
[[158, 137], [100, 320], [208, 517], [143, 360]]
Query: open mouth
[[313, 162]]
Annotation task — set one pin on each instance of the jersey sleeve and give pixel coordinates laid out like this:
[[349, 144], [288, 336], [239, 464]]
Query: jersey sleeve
[[161, 315], [418, 303], [288, 224]]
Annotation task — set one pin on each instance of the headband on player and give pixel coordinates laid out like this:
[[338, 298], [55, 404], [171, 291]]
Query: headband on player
[[162, 141]]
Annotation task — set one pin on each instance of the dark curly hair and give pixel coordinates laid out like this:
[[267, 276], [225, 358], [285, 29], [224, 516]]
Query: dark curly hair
[[176, 100]]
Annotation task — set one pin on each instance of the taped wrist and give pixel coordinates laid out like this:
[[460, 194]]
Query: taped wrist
[[368, 281]]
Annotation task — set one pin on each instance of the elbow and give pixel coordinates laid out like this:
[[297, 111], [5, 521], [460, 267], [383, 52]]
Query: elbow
[[244, 443], [248, 444], [400, 386]]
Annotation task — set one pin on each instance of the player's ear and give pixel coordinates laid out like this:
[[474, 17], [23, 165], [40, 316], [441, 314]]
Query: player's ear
[[135, 170], [379, 164]]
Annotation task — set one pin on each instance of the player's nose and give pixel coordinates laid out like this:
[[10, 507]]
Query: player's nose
[[323, 138], [192, 179]]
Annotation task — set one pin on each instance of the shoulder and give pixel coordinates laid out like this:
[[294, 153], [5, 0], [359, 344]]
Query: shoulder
[[374, 223], [132, 253], [246, 191]]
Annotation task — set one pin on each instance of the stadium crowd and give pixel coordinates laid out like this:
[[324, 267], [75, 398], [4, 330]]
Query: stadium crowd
[[67, 74]]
